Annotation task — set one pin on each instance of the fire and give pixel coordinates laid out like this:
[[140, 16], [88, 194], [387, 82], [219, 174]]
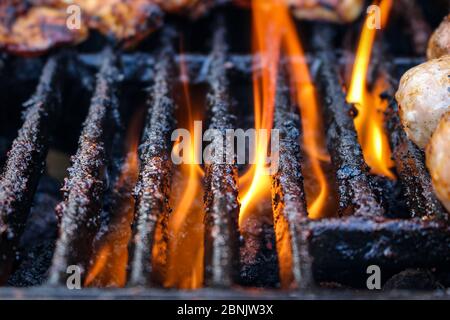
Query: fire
[[313, 133], [273, 30], [185, 227], [274, 33], [369, 121], [110, 262], [255, 184]]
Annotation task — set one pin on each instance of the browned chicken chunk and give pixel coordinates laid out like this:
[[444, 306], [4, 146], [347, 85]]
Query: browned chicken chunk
[[192, 8], [36, 30], [127, 21], [424, 96], [439, 43], [339, 11], [438, 160], [35, 26]]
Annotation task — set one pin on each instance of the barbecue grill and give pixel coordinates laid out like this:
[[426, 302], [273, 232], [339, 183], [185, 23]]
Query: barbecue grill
[[89, 94]]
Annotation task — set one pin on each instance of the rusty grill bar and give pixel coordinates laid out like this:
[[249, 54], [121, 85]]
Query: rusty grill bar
[[153, 187], [356, 194], [83, 189], [25, 162], [288, 195], [362, 235], [221, 196], [409, 159]]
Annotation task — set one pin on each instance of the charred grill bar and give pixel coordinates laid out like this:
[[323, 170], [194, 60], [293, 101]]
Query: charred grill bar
[[25, 162], [335, 251], [348, 246], [288, 195], [153, 186], [221, 193], [83, 189], [356, 195], [409, 160]]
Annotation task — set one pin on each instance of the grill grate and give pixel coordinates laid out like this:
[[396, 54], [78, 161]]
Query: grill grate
[[332, 249]]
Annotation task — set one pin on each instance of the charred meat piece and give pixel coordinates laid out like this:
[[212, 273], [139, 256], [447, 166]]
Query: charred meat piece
[[35, 26], [339, 11], [423, 97], [127, 21], [191, 8], [439, 43], [34, 31], [438, 160]]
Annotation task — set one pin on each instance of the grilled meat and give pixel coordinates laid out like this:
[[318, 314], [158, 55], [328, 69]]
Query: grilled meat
[[339, 11], [127, 21], [35, 31], [439, 43], [438, 160], [192, 8], [423, 97], [34, 26]]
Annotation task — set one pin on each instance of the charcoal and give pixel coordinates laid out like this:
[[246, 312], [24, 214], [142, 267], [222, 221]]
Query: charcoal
[[38, 240], [412, 279]]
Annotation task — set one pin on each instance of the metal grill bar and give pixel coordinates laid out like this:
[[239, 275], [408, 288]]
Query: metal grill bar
[[83, 190], [153, 187], [409, 159], [354, 243], [288, 195], [356, 195], [25, 162], [221, 193]]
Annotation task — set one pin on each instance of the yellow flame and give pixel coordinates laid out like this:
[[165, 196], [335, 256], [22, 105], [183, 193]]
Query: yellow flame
[[185, 228], [267, 28], [369, 122], [273, 30], [110, 260], [313, 138]]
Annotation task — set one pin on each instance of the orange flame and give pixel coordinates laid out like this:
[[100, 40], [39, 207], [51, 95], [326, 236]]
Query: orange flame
[[185, 228], [313, 137], [369, 122], [273, 30], [255, 184], [110, 261]]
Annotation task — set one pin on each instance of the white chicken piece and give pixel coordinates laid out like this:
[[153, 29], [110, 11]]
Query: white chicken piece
[[439, 43], [438, 160], [423, 97]]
